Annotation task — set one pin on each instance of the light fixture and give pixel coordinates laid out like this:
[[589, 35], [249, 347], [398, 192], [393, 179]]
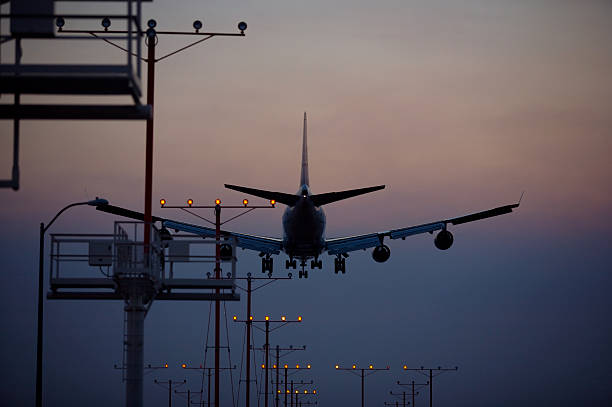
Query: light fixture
[[242, 26], [59, 22], [197, 24], [151, 23], [106, 22]]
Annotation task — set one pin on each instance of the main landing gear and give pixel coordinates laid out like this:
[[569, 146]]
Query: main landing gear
[[267, 264], [339, 264]]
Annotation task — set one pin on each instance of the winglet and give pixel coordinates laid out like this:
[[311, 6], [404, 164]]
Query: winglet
[[520, 199], [304, 176]]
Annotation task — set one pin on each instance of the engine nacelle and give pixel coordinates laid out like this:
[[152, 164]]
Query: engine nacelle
[[381, 253], [444, 240], [225, 251]]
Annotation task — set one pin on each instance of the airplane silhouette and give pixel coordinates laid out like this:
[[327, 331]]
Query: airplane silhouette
[[304, 227]]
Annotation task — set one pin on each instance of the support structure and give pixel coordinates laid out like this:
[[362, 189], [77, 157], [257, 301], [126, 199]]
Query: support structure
[[413, 391], [169, 384], [429, 372], [286, 369], [354, 369], [209, 374]]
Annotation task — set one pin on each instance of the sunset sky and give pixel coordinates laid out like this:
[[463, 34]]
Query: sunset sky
[[457, 106]]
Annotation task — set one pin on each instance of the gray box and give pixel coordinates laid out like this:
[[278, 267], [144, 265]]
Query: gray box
[[100, 252]]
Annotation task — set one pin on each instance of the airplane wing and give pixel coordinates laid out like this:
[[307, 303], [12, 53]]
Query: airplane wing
[[267, 245], [348, 244]]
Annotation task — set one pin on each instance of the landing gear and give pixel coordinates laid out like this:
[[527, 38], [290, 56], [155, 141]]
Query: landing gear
[[267, 264], [339, 265], [291, 263], [316, 264], [303, 272]]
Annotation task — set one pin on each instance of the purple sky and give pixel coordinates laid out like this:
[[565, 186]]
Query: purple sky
[[455, 106]]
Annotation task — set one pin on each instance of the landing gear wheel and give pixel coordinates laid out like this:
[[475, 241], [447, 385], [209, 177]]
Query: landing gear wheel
[[267, 264], [339, 265]]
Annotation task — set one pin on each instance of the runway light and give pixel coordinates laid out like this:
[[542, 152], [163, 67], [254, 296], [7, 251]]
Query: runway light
[[297, 366], [287, 391], [371, 367], [267, 318], [286, 366], [162, 202], [183, 365], [197, 24], [245, 202], [278, 391], [217, 201], [190, 202], [337, 367], [308, 366], [354, 366], [405, 367], [296, 392], [106, 22], [300, 319], [283, 318], [242, 26], [273, 366], [272, 202], [251, 318], [314, 392], [235, 317], [263, 366], [166, 366], [305, 391]]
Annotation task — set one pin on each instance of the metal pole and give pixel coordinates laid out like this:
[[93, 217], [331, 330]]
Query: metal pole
[[430, 388], [267, 346], [285, 387], [217, 302], [248, 344], [170, 393], [291, 396], [362, 392], [413, 393], [188, 397], [39, 338], [209, 376], [149, 143], [404, 400], [135, 337], [277, 367]]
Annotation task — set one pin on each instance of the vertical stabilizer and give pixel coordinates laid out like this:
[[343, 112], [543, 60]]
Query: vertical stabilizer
[[304, 176]]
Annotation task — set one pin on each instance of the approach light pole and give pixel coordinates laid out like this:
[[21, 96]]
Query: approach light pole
[[218, 257], [354, 369], [267, 321], [439, 370], [413, 384], [249, 320], [286, 368], [209, 375], [41, 253], [169, 382]]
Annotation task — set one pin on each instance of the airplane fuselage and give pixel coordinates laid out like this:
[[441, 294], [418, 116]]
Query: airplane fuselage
[[304, 227]]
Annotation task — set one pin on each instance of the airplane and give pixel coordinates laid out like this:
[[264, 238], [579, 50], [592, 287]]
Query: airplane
[[304, 227]]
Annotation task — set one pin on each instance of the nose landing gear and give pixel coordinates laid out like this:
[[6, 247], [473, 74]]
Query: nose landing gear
[[267, 264], [339, 264]]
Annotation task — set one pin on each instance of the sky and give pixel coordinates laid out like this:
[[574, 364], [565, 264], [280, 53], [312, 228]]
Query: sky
[[456, 106]]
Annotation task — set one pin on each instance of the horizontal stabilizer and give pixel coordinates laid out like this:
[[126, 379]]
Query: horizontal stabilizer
[[281, 197], [329, 197]]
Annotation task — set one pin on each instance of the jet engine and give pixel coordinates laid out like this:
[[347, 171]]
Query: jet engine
[[381, 253], [444, 240], [225, 251]]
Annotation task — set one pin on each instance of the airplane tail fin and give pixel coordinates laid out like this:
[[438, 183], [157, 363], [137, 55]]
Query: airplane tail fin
[[329, 197], [304, 175], [281, 197]]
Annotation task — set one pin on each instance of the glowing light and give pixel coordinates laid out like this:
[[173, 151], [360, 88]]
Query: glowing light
[[308, 367], [278, 391], [166, 366], [337, 367], [405, 367], [297, 366], [267, 318], [162, 202], [287, 391], [190, 202], [183, 365], [300, 319], [283, 318], [314, 392], [354, 366], [245, 202], [272, 202], [296, 392], [286, 366], [305, 391], [251, 318], [217, 201], [273, 366], [263, 366], [371, 367], [235, 317]]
